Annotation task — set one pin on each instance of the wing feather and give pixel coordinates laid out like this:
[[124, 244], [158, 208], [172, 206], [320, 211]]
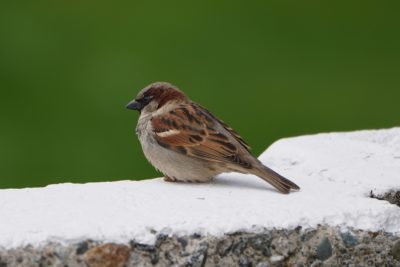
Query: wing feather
[[194, 131]]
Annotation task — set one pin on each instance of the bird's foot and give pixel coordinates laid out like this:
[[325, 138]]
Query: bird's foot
[[169, 179]]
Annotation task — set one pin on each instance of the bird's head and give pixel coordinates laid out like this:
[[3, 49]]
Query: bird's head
[[156, 95]]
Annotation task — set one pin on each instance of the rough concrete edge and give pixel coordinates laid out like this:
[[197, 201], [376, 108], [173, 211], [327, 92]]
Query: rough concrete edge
[[392, 196], [323, 246]]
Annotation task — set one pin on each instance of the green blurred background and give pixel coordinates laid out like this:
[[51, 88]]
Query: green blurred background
[[271, 69]]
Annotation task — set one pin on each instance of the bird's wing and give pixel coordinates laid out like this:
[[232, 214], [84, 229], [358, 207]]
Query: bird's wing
[[193, 131], [227, 128]]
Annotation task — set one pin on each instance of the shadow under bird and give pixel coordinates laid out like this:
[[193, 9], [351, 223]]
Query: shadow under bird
[[188, 143]]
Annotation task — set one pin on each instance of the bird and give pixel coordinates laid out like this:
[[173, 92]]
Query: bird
[[187, 143]]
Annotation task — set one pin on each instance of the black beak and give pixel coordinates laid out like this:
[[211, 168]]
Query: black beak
[[134, 105]]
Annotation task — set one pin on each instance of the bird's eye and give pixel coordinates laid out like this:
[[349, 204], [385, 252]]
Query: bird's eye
[[148, 98], [145, 100]]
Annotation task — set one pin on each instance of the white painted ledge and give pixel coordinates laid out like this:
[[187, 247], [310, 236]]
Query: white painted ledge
[[335, 171]]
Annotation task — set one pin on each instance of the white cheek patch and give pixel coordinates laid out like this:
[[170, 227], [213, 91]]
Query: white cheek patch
[[168, 133]]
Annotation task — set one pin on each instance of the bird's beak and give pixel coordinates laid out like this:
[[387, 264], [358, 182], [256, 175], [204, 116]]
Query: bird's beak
[[134, 105]]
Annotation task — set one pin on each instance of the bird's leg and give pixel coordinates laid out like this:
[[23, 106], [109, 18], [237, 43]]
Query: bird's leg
[[169, 179]]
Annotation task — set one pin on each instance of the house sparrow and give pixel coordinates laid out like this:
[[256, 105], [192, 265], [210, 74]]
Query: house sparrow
[[188, 143]]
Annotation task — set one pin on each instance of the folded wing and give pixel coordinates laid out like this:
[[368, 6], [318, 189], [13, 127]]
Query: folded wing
[[193, 131]]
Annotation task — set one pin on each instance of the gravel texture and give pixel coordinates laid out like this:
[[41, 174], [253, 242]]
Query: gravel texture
[[324, 246]]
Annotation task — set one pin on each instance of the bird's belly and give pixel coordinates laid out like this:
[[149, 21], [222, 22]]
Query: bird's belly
[[175, 165]]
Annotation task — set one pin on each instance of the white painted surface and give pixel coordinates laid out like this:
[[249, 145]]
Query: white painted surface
[[335, 171]]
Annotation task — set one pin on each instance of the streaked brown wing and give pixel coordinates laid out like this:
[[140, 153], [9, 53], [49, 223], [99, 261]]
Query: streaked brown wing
[[193, 131], [226, 126]]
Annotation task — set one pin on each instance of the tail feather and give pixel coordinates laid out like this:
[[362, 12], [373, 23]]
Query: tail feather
[[281, 183]]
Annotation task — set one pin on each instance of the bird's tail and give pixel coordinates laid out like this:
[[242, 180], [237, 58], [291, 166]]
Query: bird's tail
[[281, 183]]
